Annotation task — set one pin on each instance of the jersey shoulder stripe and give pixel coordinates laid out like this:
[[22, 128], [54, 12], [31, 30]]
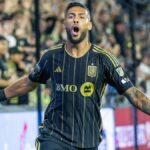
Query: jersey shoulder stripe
[[54, 48], [106, 53], [57, 46]]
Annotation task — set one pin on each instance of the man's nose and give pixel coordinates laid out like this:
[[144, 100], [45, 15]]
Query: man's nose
[[76, 20]]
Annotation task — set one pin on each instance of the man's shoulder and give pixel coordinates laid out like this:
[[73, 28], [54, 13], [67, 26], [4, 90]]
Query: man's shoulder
[[105, 55], [54, 49], [98, 49]]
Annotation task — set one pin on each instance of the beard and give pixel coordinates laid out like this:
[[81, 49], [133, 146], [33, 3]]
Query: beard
[[75, 40]]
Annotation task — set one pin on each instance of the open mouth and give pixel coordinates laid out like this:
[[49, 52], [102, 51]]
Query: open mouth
[[75, 31]]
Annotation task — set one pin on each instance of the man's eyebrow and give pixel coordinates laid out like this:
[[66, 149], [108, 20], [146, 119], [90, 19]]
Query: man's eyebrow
[[82, 14], [72, 13]]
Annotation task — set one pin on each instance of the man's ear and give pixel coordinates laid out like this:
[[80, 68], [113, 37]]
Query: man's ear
[[64, 23], [90, 25]]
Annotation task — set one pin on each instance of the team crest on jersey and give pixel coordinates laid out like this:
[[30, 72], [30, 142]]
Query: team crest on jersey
[[120, 71], [92, 71]]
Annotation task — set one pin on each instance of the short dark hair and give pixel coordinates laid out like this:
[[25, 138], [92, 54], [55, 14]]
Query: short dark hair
[[76, 4]]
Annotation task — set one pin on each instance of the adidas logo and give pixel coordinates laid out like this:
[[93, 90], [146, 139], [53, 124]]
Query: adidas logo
[[58, 69]]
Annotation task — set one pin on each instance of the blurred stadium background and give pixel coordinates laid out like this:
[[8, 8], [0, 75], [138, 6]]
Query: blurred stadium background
[[120, 26]]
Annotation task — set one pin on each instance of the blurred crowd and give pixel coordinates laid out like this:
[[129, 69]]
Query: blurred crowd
[[111, 31]]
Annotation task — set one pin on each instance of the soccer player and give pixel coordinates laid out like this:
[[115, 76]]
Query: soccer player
[[79, 71]]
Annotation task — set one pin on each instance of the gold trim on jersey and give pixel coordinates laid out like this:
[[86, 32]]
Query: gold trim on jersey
[[37, 145], [52, 48], [103, 89], [73, 123], [100, 129], [84, 102], [55, 101], [77, 56], [57, 46], [62, 123], [108, 54]]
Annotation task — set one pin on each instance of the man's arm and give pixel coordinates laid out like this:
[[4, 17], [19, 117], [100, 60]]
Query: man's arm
[[4, 83], [20, 87], [138, 99]]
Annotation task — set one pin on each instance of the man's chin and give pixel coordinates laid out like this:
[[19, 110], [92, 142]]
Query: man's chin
[[75, 40]]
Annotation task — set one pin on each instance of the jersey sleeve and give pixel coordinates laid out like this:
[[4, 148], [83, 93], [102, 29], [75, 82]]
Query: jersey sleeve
[[40, 73], [115, 74]]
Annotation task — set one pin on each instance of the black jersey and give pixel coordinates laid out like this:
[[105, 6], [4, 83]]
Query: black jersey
[[78, 85]]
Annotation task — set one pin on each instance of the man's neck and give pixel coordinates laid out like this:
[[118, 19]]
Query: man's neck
[[77, 50]]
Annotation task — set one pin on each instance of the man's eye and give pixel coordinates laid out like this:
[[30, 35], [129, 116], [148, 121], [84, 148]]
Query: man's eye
[[70, 16], [82, 17]]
